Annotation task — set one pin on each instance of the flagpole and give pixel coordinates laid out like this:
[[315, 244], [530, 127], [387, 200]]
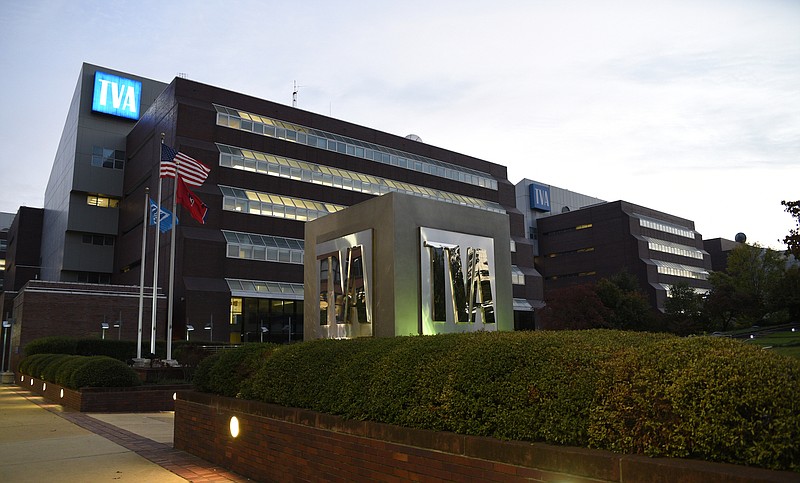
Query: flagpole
[[155, 260], [172, 258], [141, 271]]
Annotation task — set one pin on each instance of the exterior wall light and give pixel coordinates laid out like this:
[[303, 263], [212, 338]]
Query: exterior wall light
[[174, 396], [31, 381], [62, 393], [44, 386], [234, 426]]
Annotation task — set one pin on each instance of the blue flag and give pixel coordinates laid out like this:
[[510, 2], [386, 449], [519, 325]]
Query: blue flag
[[164, 221]]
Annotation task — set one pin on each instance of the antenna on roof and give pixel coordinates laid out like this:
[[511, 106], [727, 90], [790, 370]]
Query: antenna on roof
[[294, 94]]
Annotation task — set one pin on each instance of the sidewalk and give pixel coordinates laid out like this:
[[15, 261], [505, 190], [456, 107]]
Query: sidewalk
[[40, 441]]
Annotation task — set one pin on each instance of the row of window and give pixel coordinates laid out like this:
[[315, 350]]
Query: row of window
[[674, 248], [107, 158], [265, 126], [94, 277], [252, 246], [102, 201], [579, 250], [233, 157], [278, 206], [697, 290], [572, 275], [259, 288], [517, 277], [101, 240], [665, 227], [570, 229], [678, 270]]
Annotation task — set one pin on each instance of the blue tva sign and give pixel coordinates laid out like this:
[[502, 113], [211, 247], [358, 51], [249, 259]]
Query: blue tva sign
[[540, 197], [116, 95]]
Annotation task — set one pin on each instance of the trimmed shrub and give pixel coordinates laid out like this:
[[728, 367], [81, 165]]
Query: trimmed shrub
[[66, 373], [707, 398], [103, 371], [50, 368], [51, 345], [224, 372], [121, 350], [37, 362]]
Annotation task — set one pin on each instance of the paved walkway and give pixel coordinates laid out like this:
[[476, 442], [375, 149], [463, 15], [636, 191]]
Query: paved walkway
[[41, 441]]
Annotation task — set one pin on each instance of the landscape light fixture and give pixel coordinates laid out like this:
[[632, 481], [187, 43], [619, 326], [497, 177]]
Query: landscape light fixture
[[210, 327], [189, 328], [104, 328], [234, 426]]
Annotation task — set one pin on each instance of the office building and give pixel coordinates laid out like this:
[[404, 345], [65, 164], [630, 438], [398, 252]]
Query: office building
[[599, 241]]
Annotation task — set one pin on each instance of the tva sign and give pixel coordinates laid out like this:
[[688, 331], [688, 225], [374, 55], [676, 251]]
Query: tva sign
[[540, 197], [457, 282], [116, 95]]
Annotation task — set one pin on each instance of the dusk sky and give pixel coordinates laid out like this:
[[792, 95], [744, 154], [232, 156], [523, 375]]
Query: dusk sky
[[687, 107]]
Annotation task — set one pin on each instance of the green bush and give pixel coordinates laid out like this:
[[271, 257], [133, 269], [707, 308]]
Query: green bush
[[65, 374], [50, 368], [51, 345], [224, 372], [121, 350], [707, 398], [37, 362], [103, 371]]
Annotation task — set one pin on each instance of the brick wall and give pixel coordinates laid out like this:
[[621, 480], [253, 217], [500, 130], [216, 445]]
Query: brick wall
[[288, 444], [139, 399]]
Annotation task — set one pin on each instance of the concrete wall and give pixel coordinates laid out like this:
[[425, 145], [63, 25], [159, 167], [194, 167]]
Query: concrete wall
[[395, 220]]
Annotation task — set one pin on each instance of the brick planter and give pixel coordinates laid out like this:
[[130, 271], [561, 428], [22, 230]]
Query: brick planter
[[139, 399], [288, 444]]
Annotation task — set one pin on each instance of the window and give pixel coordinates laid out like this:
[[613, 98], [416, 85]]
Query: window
[[517, 277], [94, 277], [102, 201], [279, 166], [236, 119], [107, 158], [100, 240], [252, 246]]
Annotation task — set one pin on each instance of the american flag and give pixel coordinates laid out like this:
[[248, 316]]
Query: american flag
[[193, 172]]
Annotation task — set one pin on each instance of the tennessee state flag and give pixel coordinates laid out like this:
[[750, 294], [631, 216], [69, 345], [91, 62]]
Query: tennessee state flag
[[191, 202]]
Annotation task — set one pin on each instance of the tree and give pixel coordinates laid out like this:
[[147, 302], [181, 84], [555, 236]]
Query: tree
[[722, 306], [792, 240], [683, 310], [747, 292], [572, 308], [627, 308]]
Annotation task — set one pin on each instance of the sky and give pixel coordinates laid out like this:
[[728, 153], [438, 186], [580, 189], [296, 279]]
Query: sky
[[687, 107]]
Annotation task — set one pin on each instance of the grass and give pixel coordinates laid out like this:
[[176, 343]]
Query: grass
[[784, 343]]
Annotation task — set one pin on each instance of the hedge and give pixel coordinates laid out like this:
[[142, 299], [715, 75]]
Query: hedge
[[74, 371], [186, 352], [104, 371], [224, 372], [706, 398]]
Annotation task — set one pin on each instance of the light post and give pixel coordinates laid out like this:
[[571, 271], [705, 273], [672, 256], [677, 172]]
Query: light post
[[189, 328], [104, 328], [264, 330], [6, 328]]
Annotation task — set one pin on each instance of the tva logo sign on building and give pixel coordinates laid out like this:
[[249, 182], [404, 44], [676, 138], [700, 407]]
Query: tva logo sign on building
[[116, 95], [540, 197]]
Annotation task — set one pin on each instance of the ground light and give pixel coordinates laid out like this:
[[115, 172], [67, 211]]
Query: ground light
[[234, 426]]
